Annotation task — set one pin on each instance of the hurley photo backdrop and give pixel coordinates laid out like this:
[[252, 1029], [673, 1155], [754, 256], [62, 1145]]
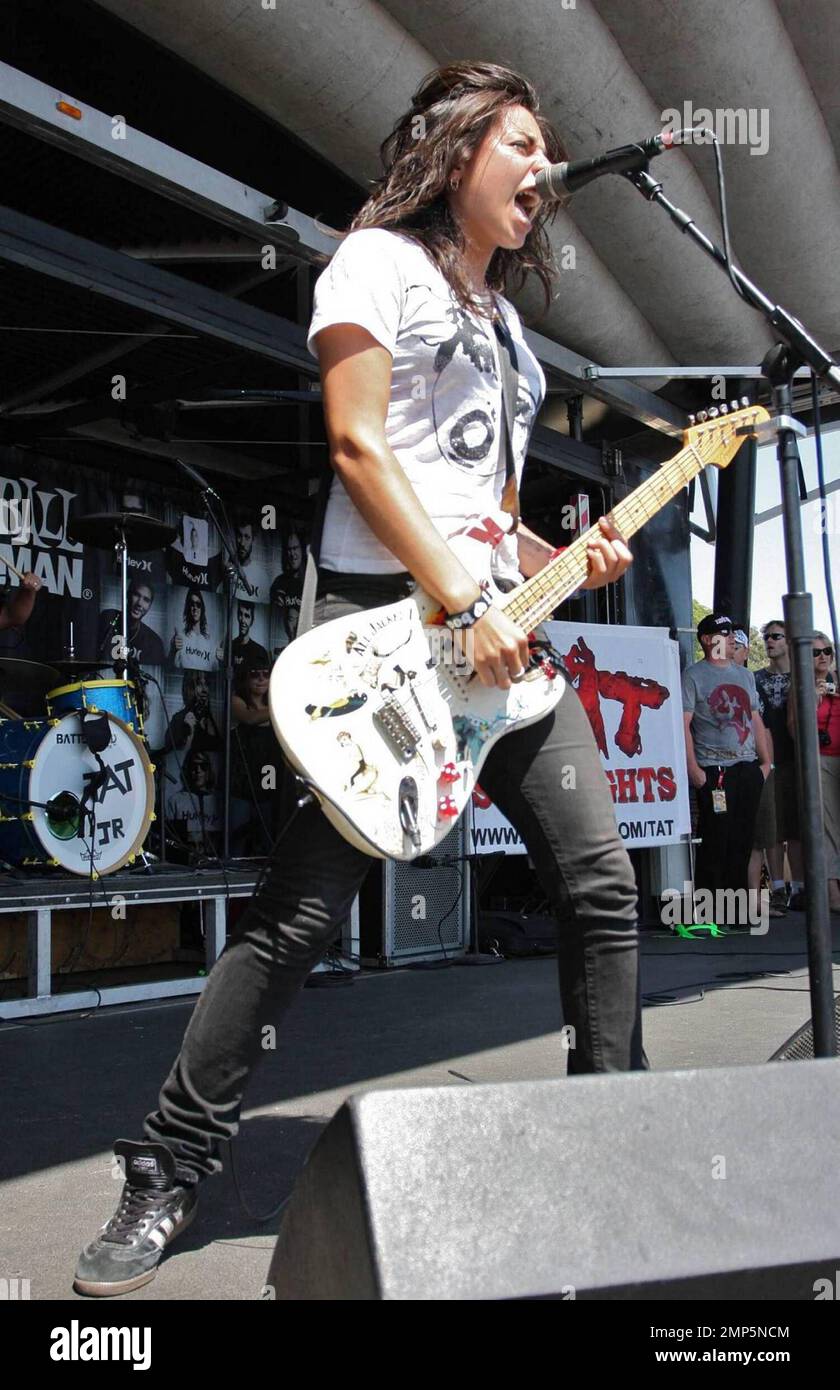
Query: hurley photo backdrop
[[177, 608]]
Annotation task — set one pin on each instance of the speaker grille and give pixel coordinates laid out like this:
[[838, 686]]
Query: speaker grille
[[800, 1047], [424, 907]]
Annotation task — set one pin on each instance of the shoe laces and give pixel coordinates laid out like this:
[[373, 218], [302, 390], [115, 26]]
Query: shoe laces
[[135, 1204]]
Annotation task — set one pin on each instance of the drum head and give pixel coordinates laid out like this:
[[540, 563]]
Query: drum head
[[62, 770]]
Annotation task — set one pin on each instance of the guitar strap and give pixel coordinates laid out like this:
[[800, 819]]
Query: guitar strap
[[510, 376], [510, 496], [306, 617]]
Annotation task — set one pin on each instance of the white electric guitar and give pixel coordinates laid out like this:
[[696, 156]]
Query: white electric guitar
[[385, 722]]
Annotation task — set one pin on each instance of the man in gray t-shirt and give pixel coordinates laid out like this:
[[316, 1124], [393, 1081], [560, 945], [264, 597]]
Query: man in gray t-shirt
[[722, 700], [722, 726]]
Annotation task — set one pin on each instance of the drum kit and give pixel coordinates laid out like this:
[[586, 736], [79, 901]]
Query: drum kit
[[77, 786]]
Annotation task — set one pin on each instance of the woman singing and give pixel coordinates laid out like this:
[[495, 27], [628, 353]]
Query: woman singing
[[403, 328]]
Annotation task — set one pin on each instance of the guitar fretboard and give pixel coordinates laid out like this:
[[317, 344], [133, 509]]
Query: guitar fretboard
[[537, 598]]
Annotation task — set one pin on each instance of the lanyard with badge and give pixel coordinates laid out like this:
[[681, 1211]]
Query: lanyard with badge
[[719, 795]]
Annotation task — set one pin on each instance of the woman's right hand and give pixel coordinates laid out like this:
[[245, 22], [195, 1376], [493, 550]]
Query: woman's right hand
[[697, 777], [497, 648]]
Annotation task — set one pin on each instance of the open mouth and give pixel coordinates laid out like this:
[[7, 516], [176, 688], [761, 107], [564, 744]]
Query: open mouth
[[528, 203]]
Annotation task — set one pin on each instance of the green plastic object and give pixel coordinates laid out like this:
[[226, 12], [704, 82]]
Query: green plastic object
[[689, 932]]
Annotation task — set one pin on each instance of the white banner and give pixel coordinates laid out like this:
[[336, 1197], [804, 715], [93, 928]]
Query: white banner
[[628, 680]]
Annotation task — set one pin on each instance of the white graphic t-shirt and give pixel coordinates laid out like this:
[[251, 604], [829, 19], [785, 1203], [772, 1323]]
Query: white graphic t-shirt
[[444, 418]]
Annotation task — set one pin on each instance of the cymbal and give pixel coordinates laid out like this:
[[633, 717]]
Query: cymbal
[[103, 529], [69, 666], [27, 675]]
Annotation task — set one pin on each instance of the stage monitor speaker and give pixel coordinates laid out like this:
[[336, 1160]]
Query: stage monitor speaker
[[800, 1045], [720, 1183], [409, 914]]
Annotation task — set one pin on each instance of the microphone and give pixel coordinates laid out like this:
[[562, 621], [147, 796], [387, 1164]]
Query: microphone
[[194, 475], [573, 174]]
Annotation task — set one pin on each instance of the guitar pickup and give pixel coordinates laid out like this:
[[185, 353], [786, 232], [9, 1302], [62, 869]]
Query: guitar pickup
[[397, 729]]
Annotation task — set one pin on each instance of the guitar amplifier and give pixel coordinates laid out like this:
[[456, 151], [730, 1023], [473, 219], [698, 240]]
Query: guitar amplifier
[[405, 914]]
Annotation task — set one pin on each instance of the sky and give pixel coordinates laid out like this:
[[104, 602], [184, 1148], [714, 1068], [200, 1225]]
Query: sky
[[769, 576]]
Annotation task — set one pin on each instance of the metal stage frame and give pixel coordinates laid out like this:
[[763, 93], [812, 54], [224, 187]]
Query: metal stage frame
[[39, 898]]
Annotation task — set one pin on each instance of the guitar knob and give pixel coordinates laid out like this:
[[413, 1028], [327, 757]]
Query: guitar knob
[[449, 773], [447, 808]]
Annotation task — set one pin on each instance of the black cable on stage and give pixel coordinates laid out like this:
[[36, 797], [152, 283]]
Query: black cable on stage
[[260, 1218]]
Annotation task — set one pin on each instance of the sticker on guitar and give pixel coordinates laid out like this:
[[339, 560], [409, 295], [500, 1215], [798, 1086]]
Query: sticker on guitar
[[346, 705], [364, 775]]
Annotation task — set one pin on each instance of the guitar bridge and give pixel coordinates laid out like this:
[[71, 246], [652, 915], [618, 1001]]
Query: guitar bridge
[[397, 729]]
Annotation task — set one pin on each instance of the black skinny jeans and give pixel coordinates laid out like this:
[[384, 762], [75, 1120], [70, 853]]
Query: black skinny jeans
[[315, 874]]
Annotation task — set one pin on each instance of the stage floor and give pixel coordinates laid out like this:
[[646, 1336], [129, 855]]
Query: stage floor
[[73, 1083]]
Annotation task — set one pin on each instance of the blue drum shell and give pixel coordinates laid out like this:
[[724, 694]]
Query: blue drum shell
[[19, 742]]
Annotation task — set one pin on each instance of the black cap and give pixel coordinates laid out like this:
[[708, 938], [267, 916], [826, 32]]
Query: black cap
[[712, 623]]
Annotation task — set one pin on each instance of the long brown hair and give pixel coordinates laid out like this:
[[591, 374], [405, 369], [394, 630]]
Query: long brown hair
[[451, 112]]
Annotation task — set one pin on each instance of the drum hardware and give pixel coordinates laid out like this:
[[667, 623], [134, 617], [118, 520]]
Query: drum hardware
[[35, 677], [124, 531], [106, 530], [119, 531], [72, 666]]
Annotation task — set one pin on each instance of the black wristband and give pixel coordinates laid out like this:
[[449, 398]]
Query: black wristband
[[469, 616]]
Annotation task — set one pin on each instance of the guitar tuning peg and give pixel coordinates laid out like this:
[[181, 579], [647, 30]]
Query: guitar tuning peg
[[745, 400], [724, 410], [734, 405], [713, 413], [692, 419], [702, 416]]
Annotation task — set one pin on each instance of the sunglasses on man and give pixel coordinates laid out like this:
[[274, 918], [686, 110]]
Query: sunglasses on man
[[774, 636]]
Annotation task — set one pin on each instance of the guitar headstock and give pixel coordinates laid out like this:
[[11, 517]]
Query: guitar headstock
[[715, 434]]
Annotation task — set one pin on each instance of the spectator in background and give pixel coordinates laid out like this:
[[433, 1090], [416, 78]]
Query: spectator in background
[[723, 738], [764, 835], [256, 764], [773, 686], [828, 735]]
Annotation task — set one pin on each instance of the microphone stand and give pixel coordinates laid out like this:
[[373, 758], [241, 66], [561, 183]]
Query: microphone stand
[[233, 572], [797, 347]]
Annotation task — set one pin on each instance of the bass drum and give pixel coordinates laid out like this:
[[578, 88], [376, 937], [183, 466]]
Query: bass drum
[[45, 772]]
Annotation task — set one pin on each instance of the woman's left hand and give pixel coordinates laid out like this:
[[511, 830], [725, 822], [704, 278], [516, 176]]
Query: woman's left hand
[[608, 554]]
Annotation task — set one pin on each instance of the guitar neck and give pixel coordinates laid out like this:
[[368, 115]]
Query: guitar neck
[[535, 600]]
